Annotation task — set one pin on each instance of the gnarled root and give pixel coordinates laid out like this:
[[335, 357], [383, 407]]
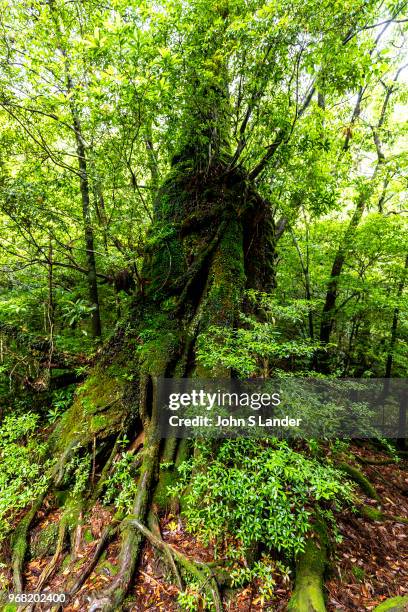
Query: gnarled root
[[105, 538], [197, 569], [310, 567], [51, 567], [162, 546], [111, 599]]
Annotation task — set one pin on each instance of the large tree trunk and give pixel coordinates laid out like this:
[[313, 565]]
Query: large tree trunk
[[201, 258], [212, 237]]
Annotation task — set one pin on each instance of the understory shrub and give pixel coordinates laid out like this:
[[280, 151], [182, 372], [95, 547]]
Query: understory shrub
[[258, 492], [23, 466]]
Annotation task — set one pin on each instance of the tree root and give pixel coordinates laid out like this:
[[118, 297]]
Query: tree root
[[358, 477], [19, 543], [395, 604], [372, 461], [374, 514], [197, 569], [310, 567], [162, 546], [104, 540], [111, 599], [51, 567]]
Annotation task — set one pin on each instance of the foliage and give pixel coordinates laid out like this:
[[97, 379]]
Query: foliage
[[259, 343], [121, 486], [23, 467], [264, 571], [60, 402], [258, 492]]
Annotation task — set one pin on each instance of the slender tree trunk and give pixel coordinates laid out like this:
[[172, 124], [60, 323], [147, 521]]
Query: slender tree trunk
[[96, 327], [327, 319], [304, 264], [327, 322], [394, 325]]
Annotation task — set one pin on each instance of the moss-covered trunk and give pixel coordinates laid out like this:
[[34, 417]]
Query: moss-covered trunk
[[212, 237]]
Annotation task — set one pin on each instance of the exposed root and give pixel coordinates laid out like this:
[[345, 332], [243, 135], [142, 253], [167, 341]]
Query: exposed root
[[373, 461], [310, 567], [111, 599], [374, 514], [199, 570], [358, 477], [163, 547], [105, 538], [51, 567], [19, 543]]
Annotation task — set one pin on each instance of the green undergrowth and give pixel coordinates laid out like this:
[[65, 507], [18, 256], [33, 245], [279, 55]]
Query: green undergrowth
[[24, 467], [260, 491]]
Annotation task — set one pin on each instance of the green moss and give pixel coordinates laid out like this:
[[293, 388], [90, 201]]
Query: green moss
[[395, 604], [98, 409], [61, 496], [373, 514], [160, 345], [162, 498], [358, 573], [88, 537], [311, 564], [357, 476], [44, 542], [227, 278], [107, 568]]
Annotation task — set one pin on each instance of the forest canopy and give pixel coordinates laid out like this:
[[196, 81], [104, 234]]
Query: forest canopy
[[194, 188]]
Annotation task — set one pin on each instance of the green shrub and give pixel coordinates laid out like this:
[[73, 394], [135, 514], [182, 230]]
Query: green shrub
[[121, 486], [23, 466], [258, 492]]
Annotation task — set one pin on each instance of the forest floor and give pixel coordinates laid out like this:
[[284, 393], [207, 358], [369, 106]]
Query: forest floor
[[367, 567]]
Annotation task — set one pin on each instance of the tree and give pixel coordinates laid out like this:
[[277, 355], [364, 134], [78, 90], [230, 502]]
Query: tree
[[233, 104]]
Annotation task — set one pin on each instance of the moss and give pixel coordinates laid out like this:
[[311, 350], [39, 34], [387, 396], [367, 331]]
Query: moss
[[358, 573], [61, 496], [162, 498], [373, 514], [358, 477], [395, 604], [310, 567], [107, 568], [87, 536], [227, 278], [98, 409], [44, 542], [162, 345]]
